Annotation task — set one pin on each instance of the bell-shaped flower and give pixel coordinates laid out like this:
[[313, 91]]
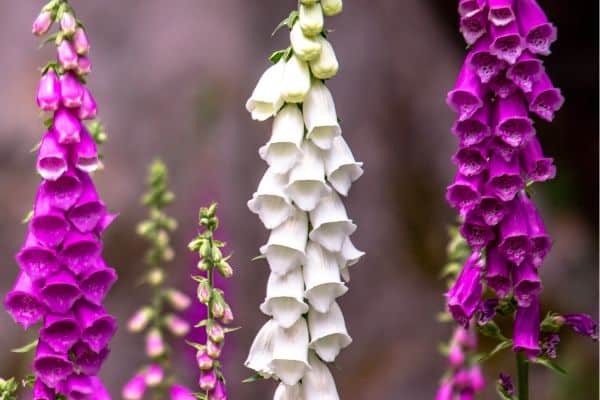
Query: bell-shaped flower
[[87, 360], [261, 351], [283, 150], [52, 158], [491, 210], [326, 65], [526, 282], [464, 193], [473, 25], [322, 277], [219, 392], [286, 246], [328, 332], [502, 87], [476, 232], [536, 166], [67, 126], [98, 327], [60, 332], [582, 324], [332, 7], [305, 47], [505, 179], [48, 95], [88, 108], [540, 240], [507, 44], [97, 281], [266, 98], [285, 298], [485, 64], [296, 80], [330, 223], [135, 388], [68, 24], [71, 90], [307, 179], [341, 167], [501, 12], [318, 383], [526, 71], [37, 260], [78, 386], [464, 296], [468, 7], [320, 116], [471, 160], [48, 225], [497, 272], [512, 122], [527, 329], [500, 148], [286, 392], [208, 380], [81, 42], [515, 243], [468, 93], [67, 56], [290, 352], [545, 99], [64, 191], [23, 302], [310, 19], [538, 32], [475, 129], [270, 201], [348, 257], [80, 251], [51, 367], [89, 209], [42, 392]]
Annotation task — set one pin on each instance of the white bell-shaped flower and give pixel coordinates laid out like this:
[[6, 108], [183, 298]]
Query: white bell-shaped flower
[[307, 179], [290, 352], [311, 19], [332, 7], [285, 298], [325, 66], [285, 392], [320, 116], [341, 167], [270, 200], [261, 351], [305, 47], [322, 277], [328, 332], [296, 80], [318, 383], [286, 246], [330, 223], [283, 150], [266, 99], [348, 257]]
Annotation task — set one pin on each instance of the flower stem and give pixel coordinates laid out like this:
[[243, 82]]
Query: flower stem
[[523, 376]]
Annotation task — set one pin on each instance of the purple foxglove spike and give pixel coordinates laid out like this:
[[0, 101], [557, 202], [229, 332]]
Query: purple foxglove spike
[[540, 240], [503, 150], [98, 327], [485, 64], [538, 32], [515, 243], [63, 192], [219, 392], [527, 283], [526, 71], [487, 310], [87, 360], [52, 158], [507, 43], [208, 380], [51, 367], [468, 93], [67, 126], [96, 282], [445, 391], [473, 26], [135, 388], [582, 324], [465, 295], [42, 392], [48, 93], [80, 251], [78, 387], [473, 130], [512, 123], [23, 302], [60, 332], [85, 153], [471, 160], [100, 391], [71, 90], [497, 273], [491, 210], [178, 392], [42, 23], [468, 7], [48, 225], [501, 12], [67, 56], [60, 292], [456, 357], [464, 193], [537, 167], [545, 99], [476, 232], [81, 42], [504, 177], [37, 260], [85, 66], [502, 87], [89, 209], [527, 329], [88, 108]]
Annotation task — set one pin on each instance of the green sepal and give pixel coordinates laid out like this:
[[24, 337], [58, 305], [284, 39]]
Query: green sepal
[[279, 55], [254, 378], [202, 323], [260, 257], [28, 381], [229, 330], [27, 218], [444, 316], [288, 21], [48, 122], [551, 324], [27, 348], [492, 330], [499, 347], [450, 270], [197, 346], [550, 365]]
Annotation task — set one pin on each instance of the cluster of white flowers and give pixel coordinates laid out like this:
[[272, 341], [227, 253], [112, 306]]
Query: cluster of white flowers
[[298, 199]]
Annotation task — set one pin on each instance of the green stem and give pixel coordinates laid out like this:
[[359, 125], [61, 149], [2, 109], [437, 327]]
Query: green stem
[[523, 376]]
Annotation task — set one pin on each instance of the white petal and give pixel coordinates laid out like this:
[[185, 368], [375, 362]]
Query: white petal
[[311, 19], [296, 80], [287, 244], [330, 223], [320, 116], [261, 351], [322, 277], [285, 392], [328, 332], [285, 301], [283, 149], [349, 256], [326, 65], [305, 47], [307, 179], [266, 98], [318, 383], [290, 352], [341, 167], [270, 201]]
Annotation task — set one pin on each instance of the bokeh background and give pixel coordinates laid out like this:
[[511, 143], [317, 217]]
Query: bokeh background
[[171, 78]]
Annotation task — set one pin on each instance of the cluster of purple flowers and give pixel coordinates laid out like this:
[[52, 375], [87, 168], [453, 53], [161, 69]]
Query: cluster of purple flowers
[[63, 278]]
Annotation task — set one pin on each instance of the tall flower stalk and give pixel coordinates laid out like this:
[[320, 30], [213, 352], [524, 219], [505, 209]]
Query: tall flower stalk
[[63, 278], [159, 318], [298, 199], [501, 86]]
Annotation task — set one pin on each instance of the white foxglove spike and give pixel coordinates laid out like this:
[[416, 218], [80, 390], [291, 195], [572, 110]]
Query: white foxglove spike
[[341, 167], [348, 257], [283, 149], [296, 80], [328, 332], [305, 47], [285, 298], [311, 19], [286, 246], [325, 66], [261, 351], [330, 223], [318, 383], [290, 352], [270, 200], [266, 99], [285, 392], [322, 277], [307, 179], [320, 116]]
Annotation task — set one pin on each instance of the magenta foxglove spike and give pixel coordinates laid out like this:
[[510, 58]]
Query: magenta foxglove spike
[[49, 91], [23, 302]]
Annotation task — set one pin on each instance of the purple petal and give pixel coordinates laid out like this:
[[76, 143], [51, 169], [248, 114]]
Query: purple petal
[[89, 108], [545, 99], [485, 64], [60, 332], [89, 209], [501, 149], [527, 283], [468, 93], [501, 12], [475, 129], [60, 292], [48, 93], [540, 240], [464, 193], [67, 126], [67, 56], [48, 225], [464, 296], [96, 283], [582, 324], [23, 302], [506, 44], [526, 71], [98, 326], [515, 243], [100, 391], [491, 210], [471, 160], [537, 167], [87, 360], [37, 260], [80, 251], [468, 7], [71, 90], [52, 158], [538, 32], [497, 272], [502, 86], [473, 26], [81, 42], [42, 392], [64, 191], [504, 177], [51, 367], [476, 232], [512, 123], [78, 387]]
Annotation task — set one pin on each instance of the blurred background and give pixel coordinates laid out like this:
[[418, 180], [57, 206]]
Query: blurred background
[[171, 79]]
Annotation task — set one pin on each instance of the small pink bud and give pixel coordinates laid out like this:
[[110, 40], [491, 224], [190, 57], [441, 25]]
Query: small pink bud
[[48, 94], [71, 90], [227, 315], [155, 346], [68, 23], [85, 66], [67, 127], [81, 42], [217, 309], [216, 333], [213, 349], [139, 320], [42, 23], [135, 388], [204, 361], [178, 300], [88, 108], [456, 357], [208, 380], [67, 55], [204, 292], [177, 326], [219, 392], [154, 375]]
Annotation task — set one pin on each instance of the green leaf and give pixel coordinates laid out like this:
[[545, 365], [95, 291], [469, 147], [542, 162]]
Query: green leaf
[[288, 21], [444, 316], [254, 378], [195, 345], [550, 365], [229, 330], [27, 218], [499, 347], [450, 270], [27, 348], [261, 257]]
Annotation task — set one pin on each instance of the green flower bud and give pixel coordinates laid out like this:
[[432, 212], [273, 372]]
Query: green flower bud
[[311, 19], [332, 7]]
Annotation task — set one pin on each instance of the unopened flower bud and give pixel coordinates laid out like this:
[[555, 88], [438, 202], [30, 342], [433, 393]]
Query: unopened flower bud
[[227, 317], [42, 23], [48, 93], [156, 277], [81, 42], [155, 346], [139, 320], [306, 48], [178, 300], [88, 108], [326, 65], [215, 332], [177, 326], [154, 375], [204, 292], [296, 80], [204, 361], [67, 55], [203, 265], [332, 7], [213, 349], [71, 90], [68, 23], [216, 254], [205, 250], [85, 66], [225, 269], [208, 380], [311, 19]]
